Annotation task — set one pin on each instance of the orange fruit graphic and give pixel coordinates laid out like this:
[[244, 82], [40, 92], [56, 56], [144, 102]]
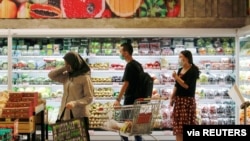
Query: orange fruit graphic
[[123, 8]]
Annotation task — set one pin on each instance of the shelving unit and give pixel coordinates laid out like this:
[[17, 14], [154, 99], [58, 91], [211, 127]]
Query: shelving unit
[[49, 34]]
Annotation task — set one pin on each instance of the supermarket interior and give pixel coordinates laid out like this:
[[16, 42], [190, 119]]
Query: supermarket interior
[[35, 35]]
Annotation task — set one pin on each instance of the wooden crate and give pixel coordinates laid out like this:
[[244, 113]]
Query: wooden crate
[[26, 125]]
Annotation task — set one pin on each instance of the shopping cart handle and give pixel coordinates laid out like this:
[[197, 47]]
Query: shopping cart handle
[[148, 99], [141, 99], [245, 105], [117, 107]]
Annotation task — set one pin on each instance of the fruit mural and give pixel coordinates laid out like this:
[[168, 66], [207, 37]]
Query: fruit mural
[[79, 9]]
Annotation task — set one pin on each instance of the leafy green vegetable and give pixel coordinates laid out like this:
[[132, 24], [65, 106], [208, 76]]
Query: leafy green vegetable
[[153, 8]]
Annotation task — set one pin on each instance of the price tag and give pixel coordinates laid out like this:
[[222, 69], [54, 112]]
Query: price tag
[[8, 119], [222, 83], [91, 132], [198, 84], [168, 133], [56, 48], [116, 84], [167, 84], [165, 70], [92, 55]]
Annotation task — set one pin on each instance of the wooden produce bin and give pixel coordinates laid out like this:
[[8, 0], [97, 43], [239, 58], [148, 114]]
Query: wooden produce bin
[[26, 125]]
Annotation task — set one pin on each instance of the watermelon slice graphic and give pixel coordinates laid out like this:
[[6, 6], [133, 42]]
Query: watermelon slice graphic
[[83, 8]]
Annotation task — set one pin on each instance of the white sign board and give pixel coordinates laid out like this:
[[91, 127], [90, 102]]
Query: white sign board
[[235, 94]]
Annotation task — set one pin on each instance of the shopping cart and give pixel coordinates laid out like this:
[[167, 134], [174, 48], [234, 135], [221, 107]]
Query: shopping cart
[[136, 119]]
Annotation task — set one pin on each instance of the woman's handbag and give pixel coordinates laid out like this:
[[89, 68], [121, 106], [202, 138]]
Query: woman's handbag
[[75, 129]]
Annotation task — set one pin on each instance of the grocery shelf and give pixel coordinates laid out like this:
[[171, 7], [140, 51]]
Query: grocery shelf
[[30, 71], [3, 71], [123, 32], [36, 56]]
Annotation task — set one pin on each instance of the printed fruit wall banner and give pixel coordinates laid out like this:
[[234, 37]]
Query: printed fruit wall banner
[[79, 9]]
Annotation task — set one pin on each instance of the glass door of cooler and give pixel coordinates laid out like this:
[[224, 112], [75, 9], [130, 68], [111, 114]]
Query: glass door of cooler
[[215, 56], [3, 63], [244, 74]]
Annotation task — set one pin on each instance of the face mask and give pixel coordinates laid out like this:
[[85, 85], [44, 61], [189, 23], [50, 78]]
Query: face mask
[[180, 63], [122, 57]]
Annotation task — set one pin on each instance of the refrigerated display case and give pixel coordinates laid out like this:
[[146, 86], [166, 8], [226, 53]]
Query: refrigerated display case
[[36, 51], [244, 69], [3, 60]]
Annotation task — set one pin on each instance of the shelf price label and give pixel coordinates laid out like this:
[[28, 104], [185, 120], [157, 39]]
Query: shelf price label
[[8, 119], [91, 132], [168, 133], [198, 84], [168, 84], [218, 99], [116, 84], [222, 83]]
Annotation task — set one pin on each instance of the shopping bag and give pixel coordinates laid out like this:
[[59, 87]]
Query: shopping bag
[[70, 130]]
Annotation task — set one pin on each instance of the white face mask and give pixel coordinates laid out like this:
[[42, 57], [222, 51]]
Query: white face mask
[[180, 62]]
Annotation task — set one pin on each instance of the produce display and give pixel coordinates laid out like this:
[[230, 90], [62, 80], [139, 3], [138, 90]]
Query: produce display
[[18, 104], [105, 92], [33, 58], [222, 113], [99, 113]]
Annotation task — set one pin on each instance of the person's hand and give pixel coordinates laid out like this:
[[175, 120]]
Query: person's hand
[[70, 105], [68, 68], [172, 100], [116, 104], [174, 74]]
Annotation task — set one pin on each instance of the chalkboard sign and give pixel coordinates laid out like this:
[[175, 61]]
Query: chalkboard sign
[[71, 130]]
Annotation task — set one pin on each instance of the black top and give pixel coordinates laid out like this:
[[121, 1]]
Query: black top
[[131, 75], [189, 78]]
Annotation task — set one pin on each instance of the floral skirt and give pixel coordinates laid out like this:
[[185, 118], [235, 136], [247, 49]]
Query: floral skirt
[[184, 113]]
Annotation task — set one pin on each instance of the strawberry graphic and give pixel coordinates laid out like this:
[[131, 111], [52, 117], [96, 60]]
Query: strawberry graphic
[[173, 8], [83, 8]]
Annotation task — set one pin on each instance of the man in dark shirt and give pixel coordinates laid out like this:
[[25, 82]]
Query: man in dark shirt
[[130, 78]]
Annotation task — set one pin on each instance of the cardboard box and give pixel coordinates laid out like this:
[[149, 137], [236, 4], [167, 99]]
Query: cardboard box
[[7, 110], [31, 100], [18, 104], [15, 99], [30, 95], [24, 112], [15, 95], [26, 125]]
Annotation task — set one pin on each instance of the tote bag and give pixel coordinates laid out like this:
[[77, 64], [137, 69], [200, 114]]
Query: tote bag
[[70, 130]]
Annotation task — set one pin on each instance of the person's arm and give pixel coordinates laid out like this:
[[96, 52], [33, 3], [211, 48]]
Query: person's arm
[[172, 97], [121, 93], [58, 74], [179, 80]]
